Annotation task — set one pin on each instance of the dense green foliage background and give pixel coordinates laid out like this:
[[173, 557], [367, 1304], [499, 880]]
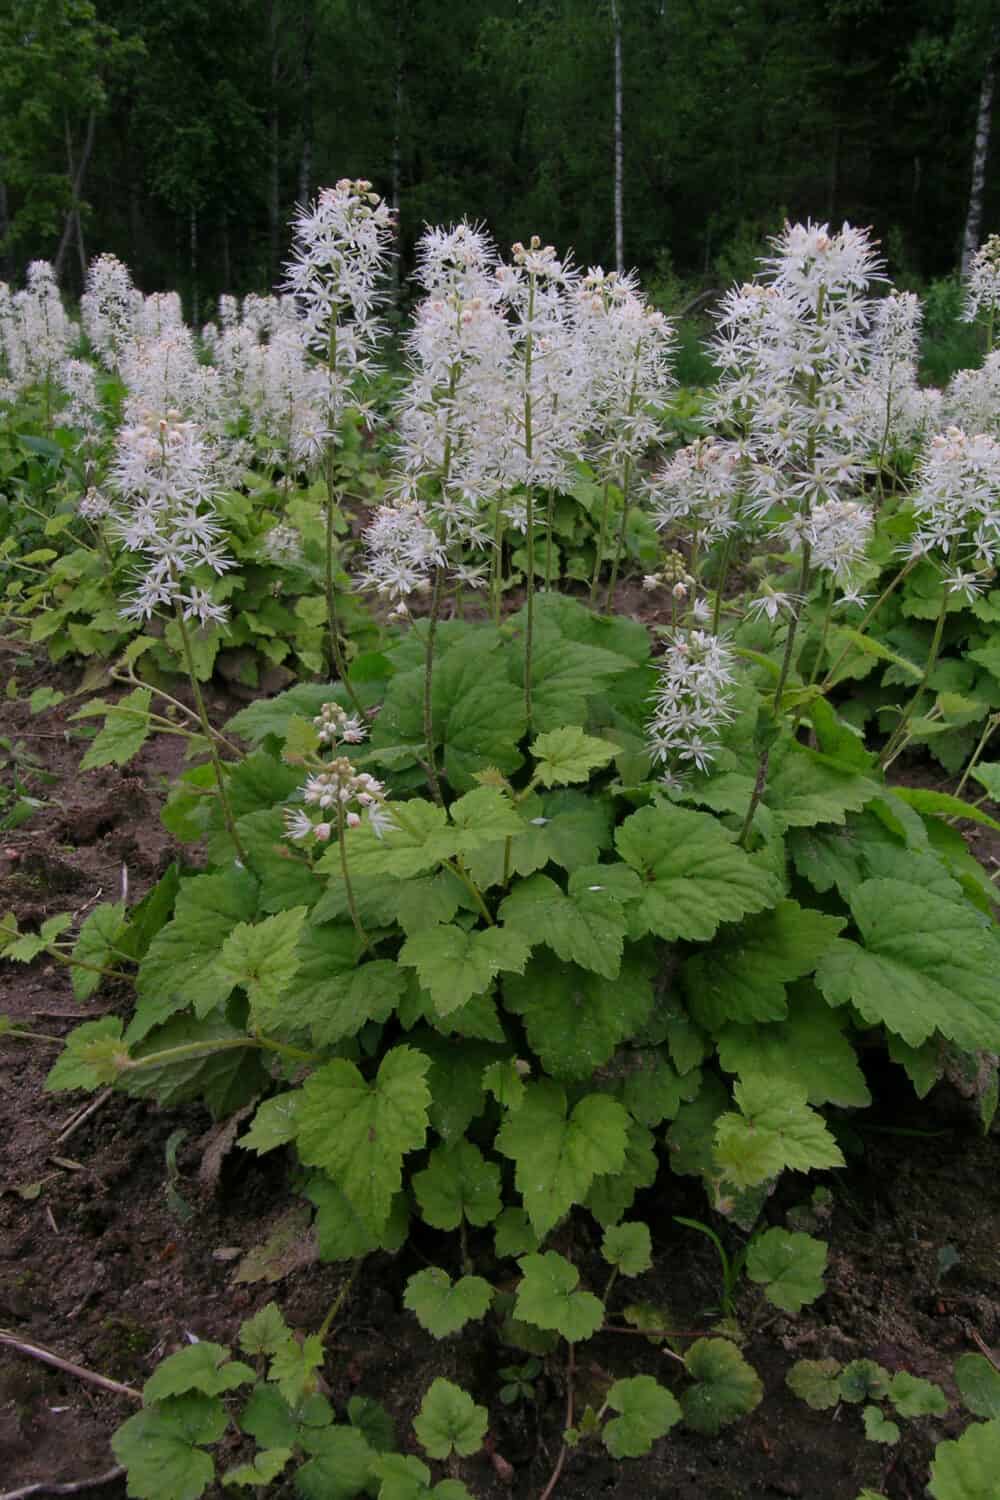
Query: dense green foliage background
[[191, 127]]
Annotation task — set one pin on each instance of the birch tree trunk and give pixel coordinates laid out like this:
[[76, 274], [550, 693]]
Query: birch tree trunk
[[397, 127], [308, 122], [4, 225], [980, 151], [76, 175], [616, 27], [273, 166]]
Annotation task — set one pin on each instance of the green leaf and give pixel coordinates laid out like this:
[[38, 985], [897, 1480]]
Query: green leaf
[[262, 960], [271, 715], [264, 1332], [286, 876], [458, 1182], [371, 1418], [422, 840], [406, 1478], [585, 927], [864, 1380], [927, 964], [565, 674], [629, 1247], [742, 976], [151, 915], [160, 1447], [944, 805], [694, 874], [987, 773], [805, 787], [727, 1387], [423, 902], [340, 1466], [359, 1132], [557, 1157], [816, 1381], [573, 1018], [443, 1306], [567, 755], [341, 1232], [484, 816], [978, 1384], [202, 1367], [654, 1091], [215, 1064], [477, 712], [775, 1129], [275, 1123], [788, 1266], [455, 1080], [333, 993], [513, 1234], [126, 729], [547, 1297], [91, 1057], [967, 1469], [98, 940], [266, 1467], [449, 1421], [454, 965], [878, 1428], [568, 828], [913, 1397], [180, 966], [611, 1194], [293, 1367], [808, 1051], [503, 1080], [831, 856], [647, 1413], [845, 636]]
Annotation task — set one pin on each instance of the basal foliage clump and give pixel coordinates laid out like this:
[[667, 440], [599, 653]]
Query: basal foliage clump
[[520, 914]]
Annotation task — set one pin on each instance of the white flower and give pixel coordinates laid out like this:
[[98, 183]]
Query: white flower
[[692, 699], [982, 292]]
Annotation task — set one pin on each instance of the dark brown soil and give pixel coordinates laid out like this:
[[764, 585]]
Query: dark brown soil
[[109, 1263]]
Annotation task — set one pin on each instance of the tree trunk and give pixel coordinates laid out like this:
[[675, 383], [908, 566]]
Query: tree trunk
[[273, 175], [193, 254], [616, 27], [833, 178], [227, 263], [980, 151], [76, 176], [4, 227], [395, 169], [306, 89]]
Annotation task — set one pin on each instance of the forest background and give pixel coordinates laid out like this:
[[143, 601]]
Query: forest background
[[178, 134]]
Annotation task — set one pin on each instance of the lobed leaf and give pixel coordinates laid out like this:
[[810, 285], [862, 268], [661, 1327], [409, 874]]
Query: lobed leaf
[[548, 1298], [359, 1132], [647, 1413], [694, 874]]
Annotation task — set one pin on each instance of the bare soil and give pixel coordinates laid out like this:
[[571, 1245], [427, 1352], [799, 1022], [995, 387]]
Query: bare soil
[[112, 1261]]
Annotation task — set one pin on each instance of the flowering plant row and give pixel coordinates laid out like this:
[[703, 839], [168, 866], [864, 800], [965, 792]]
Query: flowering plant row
[[520, 911]]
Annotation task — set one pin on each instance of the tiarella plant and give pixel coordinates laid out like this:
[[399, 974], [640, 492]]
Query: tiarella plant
[[520, 913]]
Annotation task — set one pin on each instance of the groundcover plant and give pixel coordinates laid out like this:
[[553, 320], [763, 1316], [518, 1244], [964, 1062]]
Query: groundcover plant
[[527, 904]]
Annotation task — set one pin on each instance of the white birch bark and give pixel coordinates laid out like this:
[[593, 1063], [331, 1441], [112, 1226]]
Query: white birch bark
[[616, 27], [980, 151]]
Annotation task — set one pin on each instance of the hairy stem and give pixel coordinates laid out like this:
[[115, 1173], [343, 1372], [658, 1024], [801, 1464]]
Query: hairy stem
[[432, 775], [898, 737], [760, 784], [340, 1299], [213, 749], [345, 871]]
